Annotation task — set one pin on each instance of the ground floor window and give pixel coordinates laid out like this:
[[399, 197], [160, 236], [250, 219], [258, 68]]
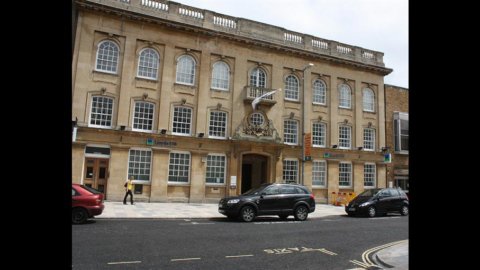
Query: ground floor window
[[369, 175], [290, 170], [319, 170], [139, 164], [401, 182], [345, 174], [215, 169], [179, 167]]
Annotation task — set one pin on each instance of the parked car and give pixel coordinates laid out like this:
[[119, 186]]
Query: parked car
[[87, 202], [269, 199], [378, 201]]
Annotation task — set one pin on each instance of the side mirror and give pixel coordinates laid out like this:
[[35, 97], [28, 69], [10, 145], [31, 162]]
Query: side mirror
[[262, 194]]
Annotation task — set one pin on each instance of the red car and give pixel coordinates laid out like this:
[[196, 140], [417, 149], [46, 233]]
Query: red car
[[86, 203]]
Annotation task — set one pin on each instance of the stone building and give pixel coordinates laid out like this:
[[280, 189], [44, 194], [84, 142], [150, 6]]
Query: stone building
[[396, 124], [164, 91]]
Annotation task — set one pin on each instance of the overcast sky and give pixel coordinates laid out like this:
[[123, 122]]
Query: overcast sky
[[380, 25]]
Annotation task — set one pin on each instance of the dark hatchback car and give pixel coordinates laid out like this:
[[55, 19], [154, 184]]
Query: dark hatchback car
[[87, 202], [270, 199], [378, 201]]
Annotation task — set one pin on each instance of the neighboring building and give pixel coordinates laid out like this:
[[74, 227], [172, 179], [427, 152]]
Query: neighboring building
[[163, 91], [396, 114]]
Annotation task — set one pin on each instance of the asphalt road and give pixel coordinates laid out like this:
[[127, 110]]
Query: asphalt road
[[267, 243]]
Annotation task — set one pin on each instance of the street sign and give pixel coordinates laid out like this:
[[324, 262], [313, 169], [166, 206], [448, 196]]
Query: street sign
[[387, 158]]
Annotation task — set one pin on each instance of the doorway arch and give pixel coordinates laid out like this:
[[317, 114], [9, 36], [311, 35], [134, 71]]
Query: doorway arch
[[255, 171]]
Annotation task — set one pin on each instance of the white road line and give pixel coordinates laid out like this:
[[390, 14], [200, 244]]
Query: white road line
[[124, 262], [327, 252], [239, 256], [185, 259], [359, 263]]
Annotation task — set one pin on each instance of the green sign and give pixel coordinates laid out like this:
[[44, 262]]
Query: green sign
[[387, 158], [308, 158], [326, 155], [150, 141]]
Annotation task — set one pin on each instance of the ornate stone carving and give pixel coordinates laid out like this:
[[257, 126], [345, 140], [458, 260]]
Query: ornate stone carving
[[256, 126]]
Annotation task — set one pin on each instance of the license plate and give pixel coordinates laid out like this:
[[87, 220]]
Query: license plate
[[351, 209]]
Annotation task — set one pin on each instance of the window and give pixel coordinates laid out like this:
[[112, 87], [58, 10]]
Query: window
[[107, 57], [217, 125], [369, 139], [291, 87], [148, 64], [102, 111], [369, 174], [368, 100], [143, 116], [139, 163], [179, 167], [319, 173], [345, 174], [182, 118], [344, 137], [275, 190], [186, 70], [290, 132], [400, 129], [319, 92], [215, 169], [220, 76], [290, 171], [318, 134], [258, 78], [345, 99], [256, 119]]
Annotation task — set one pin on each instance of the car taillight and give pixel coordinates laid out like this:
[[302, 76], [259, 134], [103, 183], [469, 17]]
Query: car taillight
[[312, 196]]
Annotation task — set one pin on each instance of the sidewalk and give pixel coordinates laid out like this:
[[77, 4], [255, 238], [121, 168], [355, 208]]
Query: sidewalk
[[395, 256]]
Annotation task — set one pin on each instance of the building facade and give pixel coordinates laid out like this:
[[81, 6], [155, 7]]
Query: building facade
[[396, 124], [197, 105]]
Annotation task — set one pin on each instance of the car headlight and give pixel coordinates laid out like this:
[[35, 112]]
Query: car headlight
[[233, 201], [365, 204]]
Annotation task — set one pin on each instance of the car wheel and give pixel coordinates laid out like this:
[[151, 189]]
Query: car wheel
[[404, 210], [247, 214], [301, 213], [283, 217], [79, 215], [372, 211]]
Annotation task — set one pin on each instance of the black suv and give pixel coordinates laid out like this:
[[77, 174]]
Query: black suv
[[378, 201], [270, 199]]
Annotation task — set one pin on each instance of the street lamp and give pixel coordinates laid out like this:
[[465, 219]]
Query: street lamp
[[303, 120]]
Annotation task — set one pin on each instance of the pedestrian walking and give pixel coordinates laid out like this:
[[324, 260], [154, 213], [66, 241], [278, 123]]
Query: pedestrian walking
[[128, 190]]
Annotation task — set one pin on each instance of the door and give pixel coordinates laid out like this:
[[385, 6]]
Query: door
[[271, 202], [96, 174], [246, 177]]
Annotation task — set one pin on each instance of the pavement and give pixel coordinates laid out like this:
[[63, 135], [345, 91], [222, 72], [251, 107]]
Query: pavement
[[394, 257]]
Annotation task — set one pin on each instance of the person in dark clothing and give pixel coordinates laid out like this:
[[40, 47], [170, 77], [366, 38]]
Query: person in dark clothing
[[128, 190]]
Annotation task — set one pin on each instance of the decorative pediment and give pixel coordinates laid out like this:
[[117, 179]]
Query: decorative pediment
[[257, 126]]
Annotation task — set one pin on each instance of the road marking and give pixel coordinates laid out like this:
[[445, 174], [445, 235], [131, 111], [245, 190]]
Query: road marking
[[185, 259], [239, 256], [366, 254], [197, 223], [124, 262], [327, 252], [359, 263]]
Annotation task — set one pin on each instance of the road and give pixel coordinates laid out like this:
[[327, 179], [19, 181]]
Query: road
[[335, 242]]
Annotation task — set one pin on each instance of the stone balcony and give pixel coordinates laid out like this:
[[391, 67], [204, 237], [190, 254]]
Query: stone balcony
[[252, 92]]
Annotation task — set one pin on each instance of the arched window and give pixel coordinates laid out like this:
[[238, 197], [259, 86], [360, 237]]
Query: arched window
[[148, 64], [186, 70], [220, 76], [107, 57], [291, 87], [345, 99], [319, 92], [258, 78], [368, 100]]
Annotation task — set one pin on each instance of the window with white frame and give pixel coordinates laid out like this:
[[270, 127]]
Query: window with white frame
[[319, 134], [290, 132], [400, 129], [344, 137], [369, 174], [345, 96], [290, 171], [182, 119], [148, 64], [101, 112], [217, 125], [179, 167], [368, 100], [143, 116], [258, 78], [369, 139], [319, 92], [345, 174], [220, 76], [107, 57], [256, 119], [139, 164], [215, 169], [319, 173], [291, 87], [186, 70]]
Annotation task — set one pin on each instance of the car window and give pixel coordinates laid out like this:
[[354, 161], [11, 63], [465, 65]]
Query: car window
[[369, 193], [395, 192], [300, 190], [74, 192], [92, 190], [272, 191], [288, 190], [385, 193]]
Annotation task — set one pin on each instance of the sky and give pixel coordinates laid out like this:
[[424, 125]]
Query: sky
[[379, 25]]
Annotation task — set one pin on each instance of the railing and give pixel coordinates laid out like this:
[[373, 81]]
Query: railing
[[255, 91], [177, 12]]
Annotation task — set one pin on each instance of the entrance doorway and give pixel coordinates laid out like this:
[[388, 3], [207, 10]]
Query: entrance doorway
[[96, 174], [254, 171]]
